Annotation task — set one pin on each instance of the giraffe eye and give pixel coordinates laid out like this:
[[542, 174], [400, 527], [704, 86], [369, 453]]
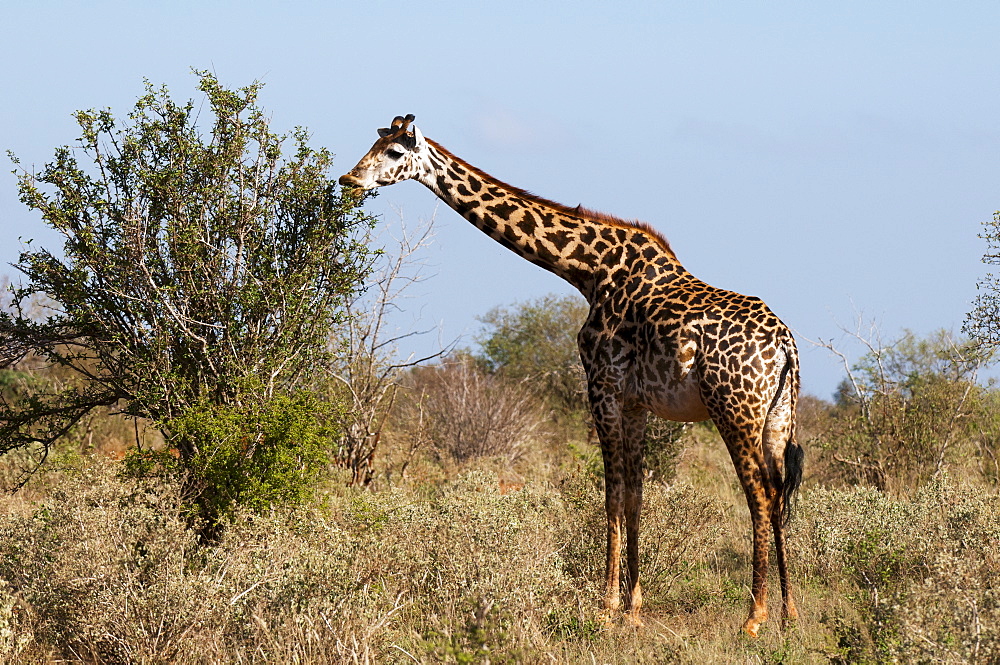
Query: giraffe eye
[[393, 154]]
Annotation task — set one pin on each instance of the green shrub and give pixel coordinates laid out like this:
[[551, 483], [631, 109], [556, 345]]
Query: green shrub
[[252, 455], [923, 571]]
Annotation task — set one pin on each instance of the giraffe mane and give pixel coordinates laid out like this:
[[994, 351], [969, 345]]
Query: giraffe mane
[[575, 211]]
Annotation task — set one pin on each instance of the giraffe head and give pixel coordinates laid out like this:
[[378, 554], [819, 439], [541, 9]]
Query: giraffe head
[[398, 154]]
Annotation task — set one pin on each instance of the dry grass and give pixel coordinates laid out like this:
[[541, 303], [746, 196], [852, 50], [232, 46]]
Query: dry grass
[[473, 570]]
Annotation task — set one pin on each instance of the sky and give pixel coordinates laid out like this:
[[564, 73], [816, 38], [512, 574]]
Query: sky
[[835, 159]]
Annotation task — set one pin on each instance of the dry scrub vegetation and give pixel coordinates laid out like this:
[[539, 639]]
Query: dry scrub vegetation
[[493, 559], [481, 539], [480, 536]]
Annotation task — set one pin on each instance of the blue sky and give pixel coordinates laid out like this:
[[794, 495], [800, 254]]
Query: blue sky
[[835, 159]]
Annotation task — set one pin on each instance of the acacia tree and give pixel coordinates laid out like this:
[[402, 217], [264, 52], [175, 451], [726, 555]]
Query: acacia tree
[[905, 405], [202, 275], [535, 342]]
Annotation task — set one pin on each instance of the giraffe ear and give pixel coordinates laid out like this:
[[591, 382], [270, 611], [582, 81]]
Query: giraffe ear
[[384, 131], [418, 138]]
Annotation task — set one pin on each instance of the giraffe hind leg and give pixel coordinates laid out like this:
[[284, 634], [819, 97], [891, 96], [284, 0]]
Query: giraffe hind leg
[[759, 504], [748, 459], [634, 432], [788, 610], [783, 457]]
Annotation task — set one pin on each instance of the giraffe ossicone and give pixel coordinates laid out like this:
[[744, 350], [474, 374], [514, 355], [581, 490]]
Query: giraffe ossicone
[[657, 339]]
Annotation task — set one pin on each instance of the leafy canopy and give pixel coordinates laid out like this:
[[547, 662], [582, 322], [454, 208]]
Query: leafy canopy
[[536, 341]]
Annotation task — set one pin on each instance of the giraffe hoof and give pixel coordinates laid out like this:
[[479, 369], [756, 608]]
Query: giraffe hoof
[[634, 620], [752, 626], [606, 617], [789, 622], [791, 613]]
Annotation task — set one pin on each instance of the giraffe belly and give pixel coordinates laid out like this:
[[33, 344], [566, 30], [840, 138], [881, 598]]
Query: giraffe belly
[[678, 400]]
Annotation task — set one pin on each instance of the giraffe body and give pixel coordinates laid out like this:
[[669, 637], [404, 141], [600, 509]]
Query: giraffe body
[[657, 340]]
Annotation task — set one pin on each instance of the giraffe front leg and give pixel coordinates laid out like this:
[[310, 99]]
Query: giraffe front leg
[[623, 503], [612, 581], [633, 589], [607, 422], [604, 390]]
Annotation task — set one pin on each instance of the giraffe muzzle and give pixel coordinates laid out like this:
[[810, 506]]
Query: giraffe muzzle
[[348, 180]]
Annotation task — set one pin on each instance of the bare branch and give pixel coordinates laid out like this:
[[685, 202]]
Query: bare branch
[[369, 368]]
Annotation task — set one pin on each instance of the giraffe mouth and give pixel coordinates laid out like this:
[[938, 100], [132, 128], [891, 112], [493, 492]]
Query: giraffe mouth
[[348, 180]]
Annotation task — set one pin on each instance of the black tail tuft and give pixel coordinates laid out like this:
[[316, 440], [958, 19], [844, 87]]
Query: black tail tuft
[[794, 456]]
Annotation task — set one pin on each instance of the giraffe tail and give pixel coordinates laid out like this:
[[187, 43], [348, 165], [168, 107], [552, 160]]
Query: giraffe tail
[[794, 454]]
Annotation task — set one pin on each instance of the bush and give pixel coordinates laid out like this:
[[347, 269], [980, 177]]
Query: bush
[[466, 414], [252, 455], [925, 570], [96, 549], [663, 448], [906, 410], [203, 272], [483, 567], [106, 571]]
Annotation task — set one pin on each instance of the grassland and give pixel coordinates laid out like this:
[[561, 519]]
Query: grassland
[[491, 563]]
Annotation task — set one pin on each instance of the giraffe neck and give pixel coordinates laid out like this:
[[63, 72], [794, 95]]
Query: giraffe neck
[[573, 243]]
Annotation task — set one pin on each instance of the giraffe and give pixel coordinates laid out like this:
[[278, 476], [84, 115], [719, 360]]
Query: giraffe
[[656, 340]]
